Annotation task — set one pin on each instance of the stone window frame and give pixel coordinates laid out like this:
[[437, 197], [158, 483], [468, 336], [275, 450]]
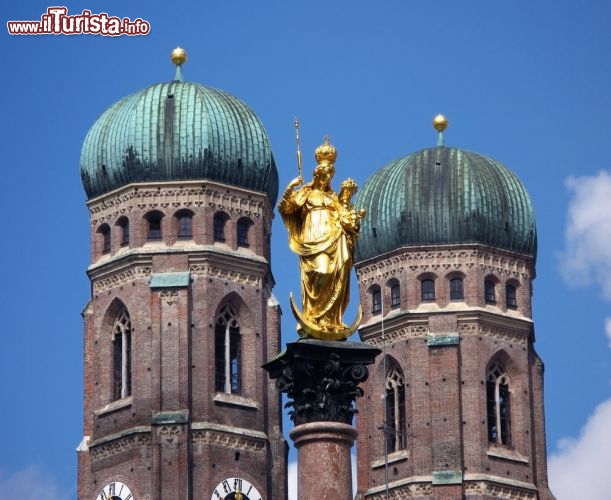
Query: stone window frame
[[395, 426], [498, 404], [227, 349], [122, 355]]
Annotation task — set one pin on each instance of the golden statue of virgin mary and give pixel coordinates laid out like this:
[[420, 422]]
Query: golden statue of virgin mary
[[323, 227]]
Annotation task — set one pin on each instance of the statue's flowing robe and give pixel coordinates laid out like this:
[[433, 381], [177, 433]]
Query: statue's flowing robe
[[312, 218]]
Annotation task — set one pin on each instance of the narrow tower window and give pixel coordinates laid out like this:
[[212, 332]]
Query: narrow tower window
[[376, 300], [427, 289], [510, 297], [154, 225], [123, 223], [395, 295], [185, 224], [243, 230], [499, 429], [122, 366], [490, 292], [104, 230], [227, 351], [220, 219], [395, 411], [456, 289]]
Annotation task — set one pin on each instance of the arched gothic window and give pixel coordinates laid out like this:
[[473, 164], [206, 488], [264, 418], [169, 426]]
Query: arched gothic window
[[122, 365], [376, 300], [395, 411], [123, 223], [243, 229], [510, 297], [185, 224], [499, 423], [104, 230], [456, 289], [490, 292], [220, 219], [154, 225], [395, 295], [427, 289], [227, 351]]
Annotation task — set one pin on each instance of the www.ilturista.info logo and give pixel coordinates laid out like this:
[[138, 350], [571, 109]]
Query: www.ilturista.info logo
[[57, 22]]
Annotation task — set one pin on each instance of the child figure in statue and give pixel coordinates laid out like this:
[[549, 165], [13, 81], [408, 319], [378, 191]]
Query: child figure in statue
[[323, 228]]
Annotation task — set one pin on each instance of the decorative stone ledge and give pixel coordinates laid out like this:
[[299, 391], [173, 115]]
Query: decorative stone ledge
[[235, 400], [120, 442], [499, 487], [393, 458], [114, 406], [409, 487], [208, 433], [506, 454]]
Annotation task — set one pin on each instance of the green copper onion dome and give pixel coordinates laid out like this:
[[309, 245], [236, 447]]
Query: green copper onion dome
[[178, 131], [445, 195]]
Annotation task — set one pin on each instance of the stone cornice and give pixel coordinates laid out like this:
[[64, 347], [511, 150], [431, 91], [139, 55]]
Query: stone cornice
[[443, 260], [118, 443], [121, 278], [498, 487], [175, 195], [207, 261], [392, 336], [410, 487], [229, 437], [471, 322]]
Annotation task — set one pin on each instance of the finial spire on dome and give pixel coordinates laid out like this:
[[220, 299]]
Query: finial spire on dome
[[440, 123], [179, 57]]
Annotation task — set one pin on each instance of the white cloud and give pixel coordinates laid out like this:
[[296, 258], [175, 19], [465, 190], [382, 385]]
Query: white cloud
[[292, 478], [587, 257], [32, 483], [608, 329], [580, 469]]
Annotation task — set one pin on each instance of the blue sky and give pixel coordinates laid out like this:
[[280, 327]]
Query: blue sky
[[524, 82]]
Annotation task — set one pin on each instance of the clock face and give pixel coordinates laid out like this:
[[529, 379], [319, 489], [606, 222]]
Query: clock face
[[235, 488], [115, 491]]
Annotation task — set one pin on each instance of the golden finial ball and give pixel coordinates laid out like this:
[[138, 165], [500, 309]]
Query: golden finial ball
[[440, 123], [179, 56]]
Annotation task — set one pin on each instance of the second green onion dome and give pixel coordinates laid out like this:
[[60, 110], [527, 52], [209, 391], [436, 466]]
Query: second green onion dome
[[445, 195], [177, 131]]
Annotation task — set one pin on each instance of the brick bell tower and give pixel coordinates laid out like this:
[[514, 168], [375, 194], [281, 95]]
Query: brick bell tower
[[446, 261], [181, 184]]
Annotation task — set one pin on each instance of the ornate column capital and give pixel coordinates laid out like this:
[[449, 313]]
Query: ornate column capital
[[321, 378]]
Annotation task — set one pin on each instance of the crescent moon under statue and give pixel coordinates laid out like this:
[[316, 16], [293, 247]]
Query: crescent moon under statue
[[312, 330]]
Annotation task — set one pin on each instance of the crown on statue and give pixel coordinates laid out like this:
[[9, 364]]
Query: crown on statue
[[326, 152]]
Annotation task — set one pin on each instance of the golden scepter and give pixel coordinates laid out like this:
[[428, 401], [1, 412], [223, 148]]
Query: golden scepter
[[299, 167]]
